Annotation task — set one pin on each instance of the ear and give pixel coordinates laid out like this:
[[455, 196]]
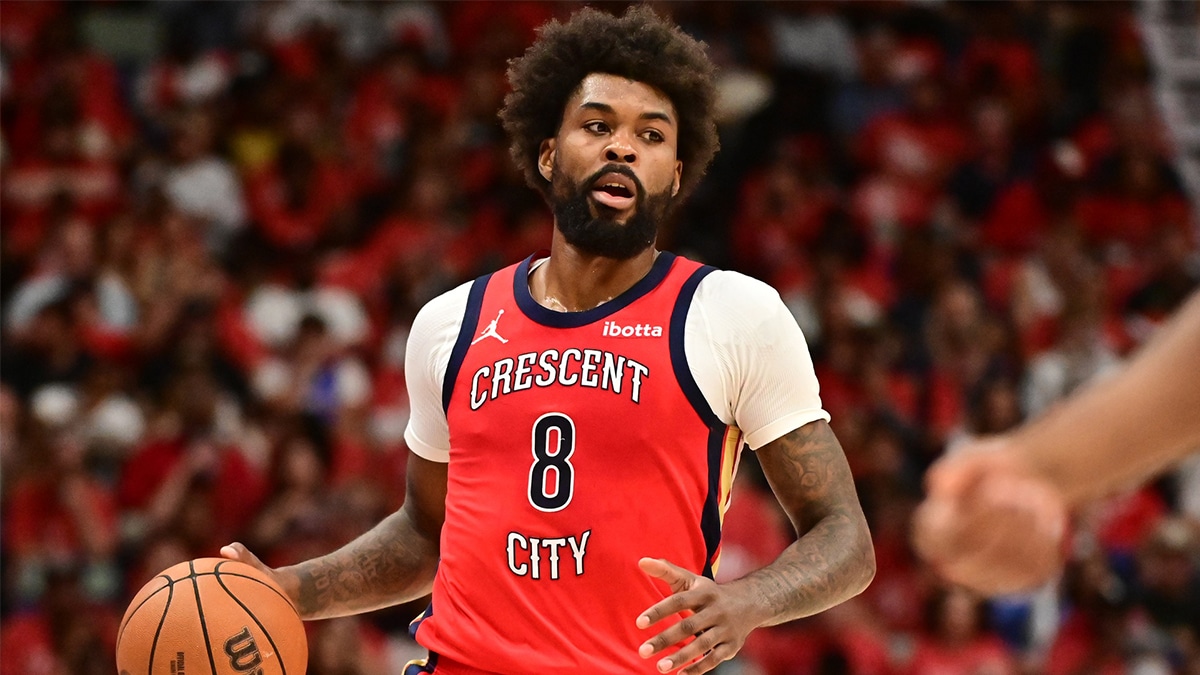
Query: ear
[[678, 178], [546, 158]]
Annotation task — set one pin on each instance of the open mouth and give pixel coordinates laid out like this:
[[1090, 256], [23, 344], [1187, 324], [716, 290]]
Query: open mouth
[[615, 191]]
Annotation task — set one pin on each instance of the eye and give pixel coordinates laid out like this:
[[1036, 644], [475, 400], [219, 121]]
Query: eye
[[596, 127], [653, 136]]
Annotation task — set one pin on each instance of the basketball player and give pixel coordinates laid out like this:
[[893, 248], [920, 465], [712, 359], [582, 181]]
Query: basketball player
[[996, 514], [577, 417]]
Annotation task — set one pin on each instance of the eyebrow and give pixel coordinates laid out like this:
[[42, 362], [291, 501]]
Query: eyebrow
[[606, 108]]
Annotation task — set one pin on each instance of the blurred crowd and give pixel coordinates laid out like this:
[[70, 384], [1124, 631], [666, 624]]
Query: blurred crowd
[[218, 220]]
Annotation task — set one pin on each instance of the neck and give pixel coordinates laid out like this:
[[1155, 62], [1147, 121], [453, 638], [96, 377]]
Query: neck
[[574, 281]]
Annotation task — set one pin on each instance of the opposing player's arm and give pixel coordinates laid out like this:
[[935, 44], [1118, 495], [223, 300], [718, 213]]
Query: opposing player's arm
[[1132, 424], [833, 559], [996, 512]]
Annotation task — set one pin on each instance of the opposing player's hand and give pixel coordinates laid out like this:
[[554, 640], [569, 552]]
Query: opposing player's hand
[[719, 621], [989, 522], [237, 551]]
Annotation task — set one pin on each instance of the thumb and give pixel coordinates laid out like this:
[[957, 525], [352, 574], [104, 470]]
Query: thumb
[[676, 577], [936, 529], [956, 475]]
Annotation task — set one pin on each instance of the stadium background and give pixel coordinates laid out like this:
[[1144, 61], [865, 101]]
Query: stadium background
[[218, 221]]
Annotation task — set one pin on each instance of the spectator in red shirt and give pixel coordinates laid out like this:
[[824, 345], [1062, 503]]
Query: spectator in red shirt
[[958, 642], [57, 179], [190, 475], [58, 514], [64, 68], [391, 106], [295, 199], [1137, 197], [996, 163], [294, 521], [1091, 640], [918, 145], [67, 634], [784, 207]]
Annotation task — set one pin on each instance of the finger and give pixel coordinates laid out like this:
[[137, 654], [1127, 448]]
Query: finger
[[676, 577], [668, 607], [710, 661], [686, 628], [286, 579], [954, 476], [1037, 502], [1014, 541], [937, 529], [237, 551], [701, 645]]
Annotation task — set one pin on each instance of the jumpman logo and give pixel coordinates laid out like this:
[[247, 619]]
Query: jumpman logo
[[490, 331]]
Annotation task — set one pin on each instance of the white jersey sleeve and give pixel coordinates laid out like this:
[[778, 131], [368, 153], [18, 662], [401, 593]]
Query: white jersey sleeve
[[746, 352], [430, 343], [750, 358]]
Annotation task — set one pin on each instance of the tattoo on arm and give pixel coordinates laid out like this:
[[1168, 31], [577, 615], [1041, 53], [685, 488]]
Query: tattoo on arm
[[390, 564], [833, 558]]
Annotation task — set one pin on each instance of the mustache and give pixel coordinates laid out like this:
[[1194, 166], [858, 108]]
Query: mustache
[[614, 168]]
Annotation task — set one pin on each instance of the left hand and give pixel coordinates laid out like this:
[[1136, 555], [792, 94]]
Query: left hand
[[719, 622]]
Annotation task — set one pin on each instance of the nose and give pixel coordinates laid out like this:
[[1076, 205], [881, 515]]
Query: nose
[[620, 150]]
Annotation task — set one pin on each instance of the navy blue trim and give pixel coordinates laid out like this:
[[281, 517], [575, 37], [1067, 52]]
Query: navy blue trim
[[412, 627], [710, 516], [465, 333], [683, 373], [549, 317], [429, 666], [431, 662]]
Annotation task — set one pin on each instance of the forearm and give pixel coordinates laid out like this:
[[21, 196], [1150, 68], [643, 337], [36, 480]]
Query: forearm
[[833, 558], [393, 562], [1129, 426], [831, 563]]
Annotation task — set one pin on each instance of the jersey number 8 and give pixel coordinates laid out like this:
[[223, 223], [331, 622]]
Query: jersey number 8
[[552, 478]]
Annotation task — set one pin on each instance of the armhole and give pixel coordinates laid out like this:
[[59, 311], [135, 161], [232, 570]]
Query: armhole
[[679, 362], [469, 324]]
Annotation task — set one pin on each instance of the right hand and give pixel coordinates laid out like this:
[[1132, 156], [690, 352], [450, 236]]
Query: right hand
[[288, 582], [990, 522]]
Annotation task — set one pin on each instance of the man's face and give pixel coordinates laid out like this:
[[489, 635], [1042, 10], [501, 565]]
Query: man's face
[[613, 167]]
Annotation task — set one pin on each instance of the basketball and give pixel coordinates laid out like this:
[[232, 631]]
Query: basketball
[[211, 615]]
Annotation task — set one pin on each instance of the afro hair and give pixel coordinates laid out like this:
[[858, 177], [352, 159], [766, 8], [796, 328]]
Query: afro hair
[[639, 45]]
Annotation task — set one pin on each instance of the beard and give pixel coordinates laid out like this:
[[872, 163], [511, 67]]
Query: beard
[[601, 235]]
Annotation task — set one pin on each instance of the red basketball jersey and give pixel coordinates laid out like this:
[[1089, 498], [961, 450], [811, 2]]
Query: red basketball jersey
[[579, 443]]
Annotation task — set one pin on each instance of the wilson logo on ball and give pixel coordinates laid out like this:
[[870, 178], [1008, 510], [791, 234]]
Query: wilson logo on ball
[[243, 653]]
